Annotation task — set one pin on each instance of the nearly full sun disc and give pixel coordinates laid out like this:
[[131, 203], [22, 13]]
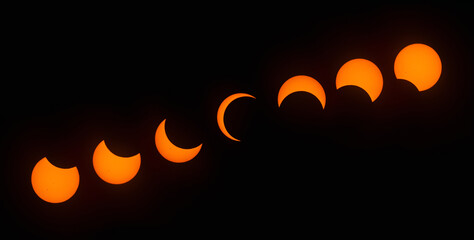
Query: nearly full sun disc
[[170, 151], [418, 64], [112, 168], [53, 184], [361, 73]]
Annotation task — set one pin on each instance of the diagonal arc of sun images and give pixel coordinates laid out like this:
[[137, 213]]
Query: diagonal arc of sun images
[[416, 63]]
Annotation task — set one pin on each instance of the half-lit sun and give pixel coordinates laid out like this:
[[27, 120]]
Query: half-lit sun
[[361, 73]]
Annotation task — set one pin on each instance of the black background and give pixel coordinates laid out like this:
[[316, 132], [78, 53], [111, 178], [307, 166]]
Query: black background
[[77, 77]]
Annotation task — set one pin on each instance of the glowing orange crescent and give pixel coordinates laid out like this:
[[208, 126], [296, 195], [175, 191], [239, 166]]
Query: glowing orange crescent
[[112, 168], [302, 83], [170, 151], [53, 184], [361, 73], [221, 112]]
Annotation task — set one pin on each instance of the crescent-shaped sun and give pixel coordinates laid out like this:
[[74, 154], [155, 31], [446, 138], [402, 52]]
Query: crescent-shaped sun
[[221, 112], [302, 83], [361, 73], [170, 151], [54, 184], [418, 64], [114, 169]]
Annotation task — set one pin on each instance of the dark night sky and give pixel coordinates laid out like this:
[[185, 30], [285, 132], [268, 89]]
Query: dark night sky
[[396, 164]]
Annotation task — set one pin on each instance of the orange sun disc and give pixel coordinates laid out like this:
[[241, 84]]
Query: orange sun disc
[[114, 169], [302, 83], [221, 112], [170, 151], [361, 73], [418, 64], [53, 184]]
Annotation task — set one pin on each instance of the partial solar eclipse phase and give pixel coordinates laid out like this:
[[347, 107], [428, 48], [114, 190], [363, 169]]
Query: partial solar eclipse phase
[[418, 64], [170, 151], [302, 83], [114, 169], [221, 112], [361, 73], [54, 184]]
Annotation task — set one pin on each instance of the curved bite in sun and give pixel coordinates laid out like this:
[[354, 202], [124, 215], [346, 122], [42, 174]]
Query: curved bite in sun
[[112, 168], [54, 184], [221, 112], [361, 73], [418, 64], [302, 83], [170, 151]]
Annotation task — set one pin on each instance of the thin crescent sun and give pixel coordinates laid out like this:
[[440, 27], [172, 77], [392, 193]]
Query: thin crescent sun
[[221, 112], [361, 73], [54, 184], [170, 151], [114, 169], [302, 83]]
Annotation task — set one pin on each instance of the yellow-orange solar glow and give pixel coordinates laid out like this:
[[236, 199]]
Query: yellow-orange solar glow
[[171, 152], [53, 184], [418, 64], [221, 112], [114, 169], [302, 83], [361, 73]]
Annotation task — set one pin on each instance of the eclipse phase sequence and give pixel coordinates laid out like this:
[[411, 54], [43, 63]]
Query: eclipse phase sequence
[[417, 63]]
